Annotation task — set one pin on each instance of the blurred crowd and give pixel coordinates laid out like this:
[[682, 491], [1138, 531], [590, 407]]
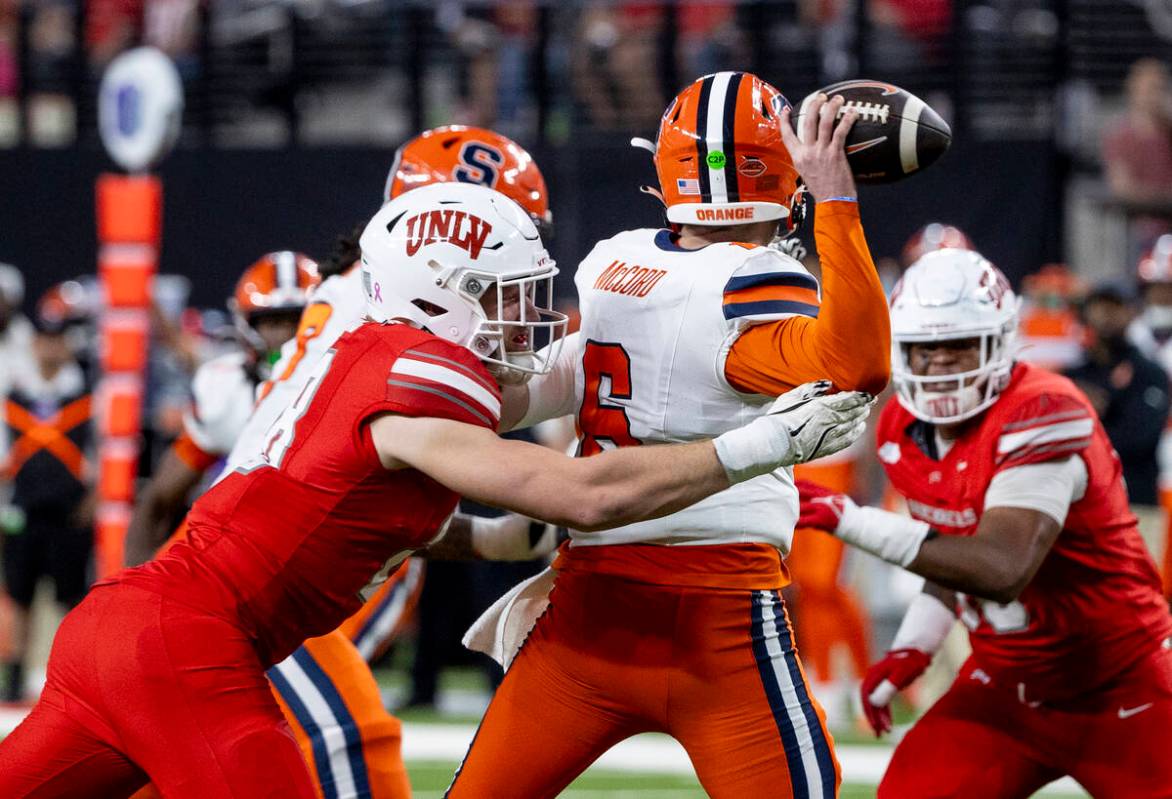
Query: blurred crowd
[[519, 66]]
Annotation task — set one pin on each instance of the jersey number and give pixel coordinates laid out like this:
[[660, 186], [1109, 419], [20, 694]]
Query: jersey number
[[280, 434], [608, 376]]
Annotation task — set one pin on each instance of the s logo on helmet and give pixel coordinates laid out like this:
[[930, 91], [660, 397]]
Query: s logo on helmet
[[479, 163], [460, 228]]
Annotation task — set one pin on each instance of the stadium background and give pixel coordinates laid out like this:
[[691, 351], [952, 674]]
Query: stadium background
[[294, 110]]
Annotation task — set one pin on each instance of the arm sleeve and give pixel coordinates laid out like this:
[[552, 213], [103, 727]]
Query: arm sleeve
[[850, 340], [554, 394], [1050, 487]]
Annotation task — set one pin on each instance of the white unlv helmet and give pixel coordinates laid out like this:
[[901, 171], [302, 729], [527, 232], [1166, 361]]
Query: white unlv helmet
[[947, 295], [431, 255]]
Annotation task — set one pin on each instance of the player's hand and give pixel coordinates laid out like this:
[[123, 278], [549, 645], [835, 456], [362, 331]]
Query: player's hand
[[818, 148], [805, 423], [818, 423], [513, 537], [897, 670], [821, 508]]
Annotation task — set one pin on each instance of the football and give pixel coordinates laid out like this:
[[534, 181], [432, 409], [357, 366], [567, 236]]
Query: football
[[896, 134]]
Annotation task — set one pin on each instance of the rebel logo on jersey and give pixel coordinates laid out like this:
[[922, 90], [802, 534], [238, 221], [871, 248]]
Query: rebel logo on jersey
[[460, 228]]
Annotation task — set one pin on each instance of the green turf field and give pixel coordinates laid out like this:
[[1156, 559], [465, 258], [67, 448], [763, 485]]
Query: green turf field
[[429, 779]]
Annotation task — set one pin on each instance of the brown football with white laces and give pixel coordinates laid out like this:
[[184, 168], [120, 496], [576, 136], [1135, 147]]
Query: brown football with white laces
[[896, 134]]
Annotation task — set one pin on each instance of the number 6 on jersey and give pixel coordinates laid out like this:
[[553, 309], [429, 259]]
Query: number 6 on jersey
[[601, 421]]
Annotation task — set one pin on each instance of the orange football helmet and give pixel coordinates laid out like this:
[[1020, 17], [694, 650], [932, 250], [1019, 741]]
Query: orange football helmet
[[1155, 266], [64, 306], [471, 155], [277, 283], [934, 236], [719, 155]]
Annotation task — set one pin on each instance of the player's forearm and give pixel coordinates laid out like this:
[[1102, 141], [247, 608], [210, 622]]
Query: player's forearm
[[607, 490], [147, 530], [637, 483], [970, 565], [853, 316]]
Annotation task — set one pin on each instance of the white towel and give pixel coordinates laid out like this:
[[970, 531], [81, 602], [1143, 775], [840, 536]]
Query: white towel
[[500, 630]]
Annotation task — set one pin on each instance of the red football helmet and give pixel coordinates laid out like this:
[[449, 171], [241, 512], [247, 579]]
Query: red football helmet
[[934, 236], [471, 155], [719, 155], [1155, 266]]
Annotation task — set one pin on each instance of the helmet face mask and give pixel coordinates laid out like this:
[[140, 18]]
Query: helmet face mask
[[953, 295], [957, 396], [465, 263]]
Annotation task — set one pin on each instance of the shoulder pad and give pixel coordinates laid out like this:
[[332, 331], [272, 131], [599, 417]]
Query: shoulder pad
[[1041, 427], [769, 286], [437, 378]]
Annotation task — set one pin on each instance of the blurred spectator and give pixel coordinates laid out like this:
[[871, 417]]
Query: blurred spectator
[[710, 40], [615, 65], [111, 27], [9, 31], [47, 525], [16, 334], [1137, 152], [1127, 390], [908, 36], [1049, 332], [1152, 330], [495, 45], [52, 43], [173, 27]]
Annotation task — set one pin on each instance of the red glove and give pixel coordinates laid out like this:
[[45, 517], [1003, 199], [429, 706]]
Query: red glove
[[898, 669], [819, 507]]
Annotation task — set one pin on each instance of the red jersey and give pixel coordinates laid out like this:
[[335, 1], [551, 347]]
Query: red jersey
[[283, 545], [1094, 607]]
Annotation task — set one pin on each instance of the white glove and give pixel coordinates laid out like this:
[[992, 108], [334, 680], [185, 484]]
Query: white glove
[[801, 425], [512, 537]]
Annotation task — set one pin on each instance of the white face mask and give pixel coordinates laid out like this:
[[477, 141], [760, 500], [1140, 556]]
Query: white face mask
[[1158, 317], [960, 403]]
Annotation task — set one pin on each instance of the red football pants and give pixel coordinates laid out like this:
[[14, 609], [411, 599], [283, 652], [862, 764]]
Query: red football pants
[[141, 687], [978, 741], [714, 668]]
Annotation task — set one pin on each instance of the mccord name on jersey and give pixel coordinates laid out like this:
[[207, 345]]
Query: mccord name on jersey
[[629, 279]]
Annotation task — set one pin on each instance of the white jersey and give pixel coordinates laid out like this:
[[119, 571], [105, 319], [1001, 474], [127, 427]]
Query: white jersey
[[222, 392], [337, 305], [657, 325]]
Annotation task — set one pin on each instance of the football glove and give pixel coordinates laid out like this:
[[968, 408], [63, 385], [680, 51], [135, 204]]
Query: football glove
[[891, 536], [801, 425], [898, 669]]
